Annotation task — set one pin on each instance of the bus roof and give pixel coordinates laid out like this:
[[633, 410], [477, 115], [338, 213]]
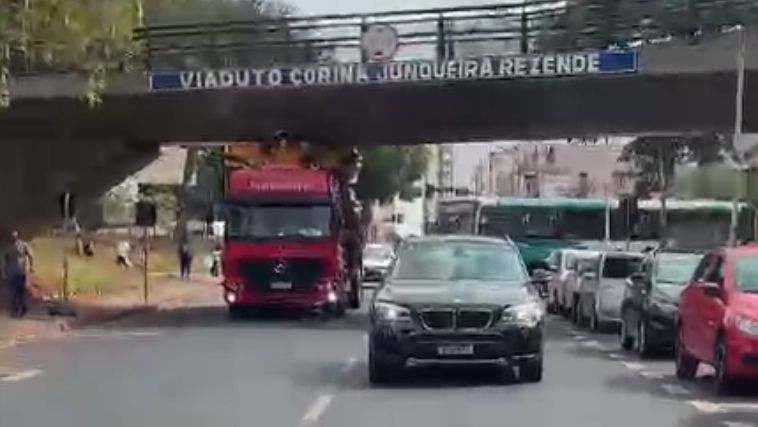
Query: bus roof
[[554, 202], [690, 205]]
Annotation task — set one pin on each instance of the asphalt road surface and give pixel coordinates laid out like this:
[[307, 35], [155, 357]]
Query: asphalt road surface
[[194, 367]]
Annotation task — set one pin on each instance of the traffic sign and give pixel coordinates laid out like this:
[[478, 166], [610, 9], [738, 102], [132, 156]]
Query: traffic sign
[[379, 42]]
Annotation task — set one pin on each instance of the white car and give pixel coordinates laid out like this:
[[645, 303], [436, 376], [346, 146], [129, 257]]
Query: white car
[[564, 286], [601, 293], [377, 259]]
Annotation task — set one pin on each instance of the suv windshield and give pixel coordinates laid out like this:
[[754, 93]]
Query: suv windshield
[[278, 221], [459, 261], [675, 269], [620, 267], [746, 272]]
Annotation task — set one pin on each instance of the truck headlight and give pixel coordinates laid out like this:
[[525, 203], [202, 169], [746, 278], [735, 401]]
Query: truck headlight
[[747, 326], [529, 314], [389, 312]]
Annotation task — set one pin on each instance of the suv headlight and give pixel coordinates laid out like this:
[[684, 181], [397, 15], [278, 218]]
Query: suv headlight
[[746, 325], [389, 312], [528, 315]]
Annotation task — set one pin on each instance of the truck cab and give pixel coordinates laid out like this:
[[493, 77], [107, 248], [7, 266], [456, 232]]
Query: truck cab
[[285, 242]]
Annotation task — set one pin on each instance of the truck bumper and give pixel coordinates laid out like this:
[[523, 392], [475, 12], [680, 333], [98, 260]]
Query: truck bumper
[[311, 299]]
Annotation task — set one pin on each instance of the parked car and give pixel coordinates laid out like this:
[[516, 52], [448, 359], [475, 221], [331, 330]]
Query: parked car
[[718, 317], [601, 293], [456, 300], [563, 264], [586, 267], [377, 258], [651, 301]]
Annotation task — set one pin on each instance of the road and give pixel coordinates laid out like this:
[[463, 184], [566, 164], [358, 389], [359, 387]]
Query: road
[[193, 367]]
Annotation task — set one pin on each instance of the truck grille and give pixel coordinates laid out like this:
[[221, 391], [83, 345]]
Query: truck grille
[[303, 273], [455, 319]]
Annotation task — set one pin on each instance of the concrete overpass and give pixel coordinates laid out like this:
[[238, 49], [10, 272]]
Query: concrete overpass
[[58, 142]]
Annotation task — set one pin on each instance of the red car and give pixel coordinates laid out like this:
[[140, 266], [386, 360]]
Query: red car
[[718, 317]]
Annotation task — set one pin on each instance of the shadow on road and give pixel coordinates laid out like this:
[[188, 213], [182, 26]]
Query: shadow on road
[[218, 317], [437, 377]]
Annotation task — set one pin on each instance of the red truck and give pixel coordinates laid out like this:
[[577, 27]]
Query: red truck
[[293, 241]]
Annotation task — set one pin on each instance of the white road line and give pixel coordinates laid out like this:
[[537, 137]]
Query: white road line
[[738, 424], [675, 390], [348, 365], [705, 406], [8, 344], [590, 344], [20, 376], [115, 334], [317, 409], [739, 406], [615, 356], [633, 366], [652, 375], [580, 337]]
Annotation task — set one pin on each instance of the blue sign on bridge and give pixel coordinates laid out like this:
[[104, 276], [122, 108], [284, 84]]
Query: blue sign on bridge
[[485, 68]]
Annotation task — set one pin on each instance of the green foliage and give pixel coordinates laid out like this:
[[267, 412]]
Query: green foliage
[[391, 170], [655, 157], [597, 24]]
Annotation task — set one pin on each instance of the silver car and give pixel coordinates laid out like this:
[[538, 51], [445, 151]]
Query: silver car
[[601, 292]]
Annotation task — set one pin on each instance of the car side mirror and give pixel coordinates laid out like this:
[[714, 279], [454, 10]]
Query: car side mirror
[[711, 289]]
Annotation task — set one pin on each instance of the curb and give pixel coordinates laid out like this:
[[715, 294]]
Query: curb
[[98, 319]]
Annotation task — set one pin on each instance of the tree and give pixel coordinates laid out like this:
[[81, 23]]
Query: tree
[[389, 171], [656, 157], [599, 24]]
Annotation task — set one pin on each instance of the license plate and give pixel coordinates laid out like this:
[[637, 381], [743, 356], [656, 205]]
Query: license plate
[[455, 350], [281, 286]]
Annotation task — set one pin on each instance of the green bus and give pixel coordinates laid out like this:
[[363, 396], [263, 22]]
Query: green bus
[[691, 224], [540, 226]]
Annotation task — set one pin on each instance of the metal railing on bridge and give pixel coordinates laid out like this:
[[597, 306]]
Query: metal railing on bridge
[[491, 29], [532, 25]]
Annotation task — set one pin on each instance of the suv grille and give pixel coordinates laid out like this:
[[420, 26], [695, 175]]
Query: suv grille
[[455, 319]]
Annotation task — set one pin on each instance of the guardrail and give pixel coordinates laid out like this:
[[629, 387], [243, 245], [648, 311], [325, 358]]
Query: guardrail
[[490, 29]]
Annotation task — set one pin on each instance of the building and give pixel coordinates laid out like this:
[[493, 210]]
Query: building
[[557, 168]]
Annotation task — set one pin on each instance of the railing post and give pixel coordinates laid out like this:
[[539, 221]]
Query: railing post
[[524, 31]]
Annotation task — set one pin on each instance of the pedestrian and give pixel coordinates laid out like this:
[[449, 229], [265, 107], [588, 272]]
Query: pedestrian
[[185, 260], [18, 261], [216, 260], [123, 249]]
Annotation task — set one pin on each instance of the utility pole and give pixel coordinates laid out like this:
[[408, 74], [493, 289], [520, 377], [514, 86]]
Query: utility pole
[[743, 172]]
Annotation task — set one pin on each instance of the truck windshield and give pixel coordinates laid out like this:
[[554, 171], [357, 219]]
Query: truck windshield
[[278, 221]]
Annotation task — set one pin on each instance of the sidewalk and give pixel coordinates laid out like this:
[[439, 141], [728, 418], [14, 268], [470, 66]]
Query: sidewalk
[[165, 293]]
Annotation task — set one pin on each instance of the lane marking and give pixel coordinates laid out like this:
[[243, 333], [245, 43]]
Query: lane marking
[[20, 376], [633, 366], [8, 344], [675, 389], [652, 375], [739, 406], [317, 409], [615, 356], [348, 365], [579, 337], [705, 406], [115, 334], [590, 344], [738, 424]]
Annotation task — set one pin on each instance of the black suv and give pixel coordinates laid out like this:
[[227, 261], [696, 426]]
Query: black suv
[[651, 301], [456, 300]]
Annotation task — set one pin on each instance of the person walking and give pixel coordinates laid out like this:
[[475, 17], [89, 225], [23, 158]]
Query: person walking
[[185, 260], [18, 261]]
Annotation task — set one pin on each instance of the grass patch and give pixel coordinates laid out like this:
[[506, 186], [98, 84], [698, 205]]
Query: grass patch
[[97, 275]]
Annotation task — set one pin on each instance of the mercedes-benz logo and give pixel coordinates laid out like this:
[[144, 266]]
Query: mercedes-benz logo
[[280, 267]]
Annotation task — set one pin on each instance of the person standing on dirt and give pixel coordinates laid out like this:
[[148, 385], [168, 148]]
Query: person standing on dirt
[[18, 261], [185, 260]]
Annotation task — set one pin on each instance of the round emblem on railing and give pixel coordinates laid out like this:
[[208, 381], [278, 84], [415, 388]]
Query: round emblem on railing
[[379, 42]]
